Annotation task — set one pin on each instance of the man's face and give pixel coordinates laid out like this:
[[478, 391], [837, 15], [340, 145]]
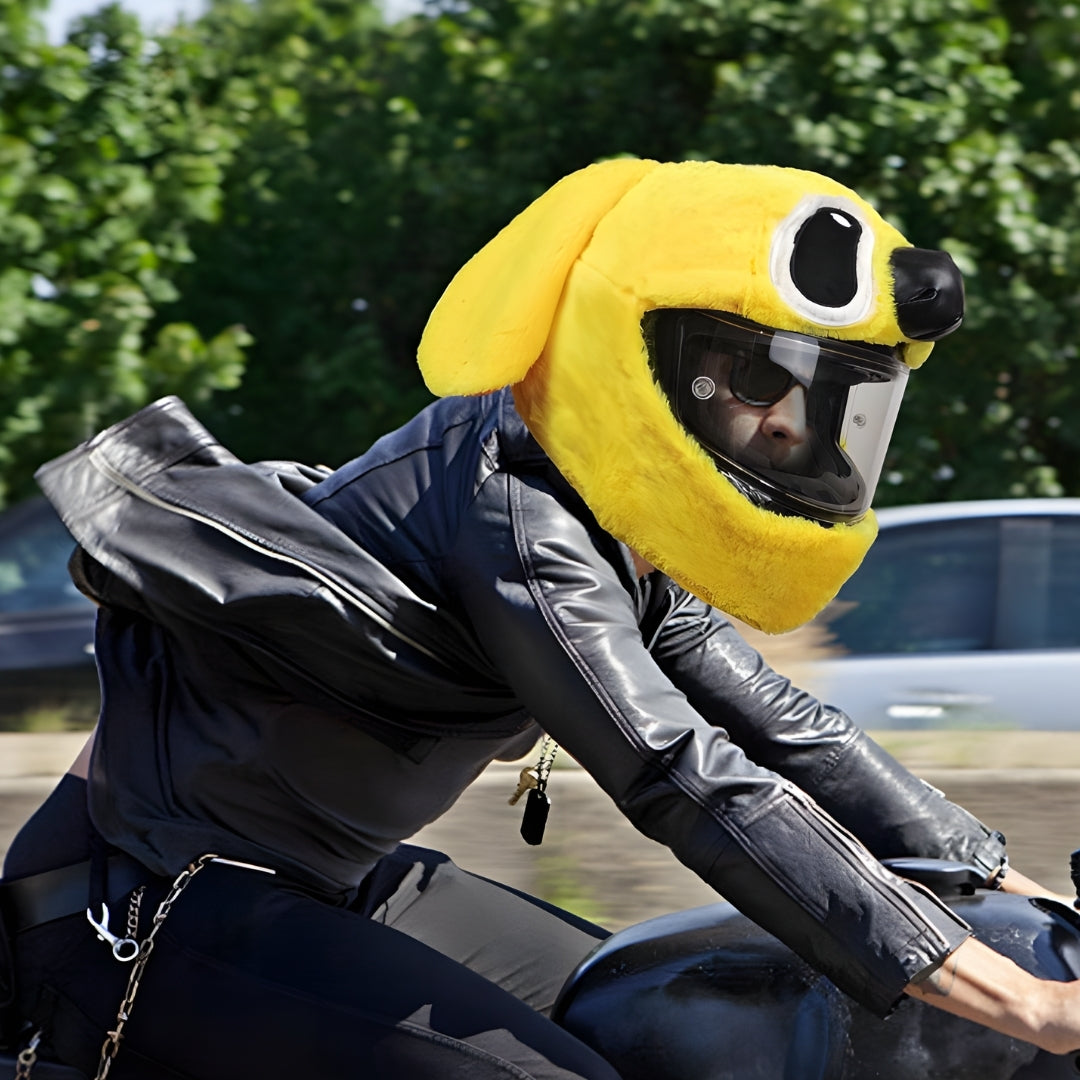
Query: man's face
[[768, 430], [790, 419]]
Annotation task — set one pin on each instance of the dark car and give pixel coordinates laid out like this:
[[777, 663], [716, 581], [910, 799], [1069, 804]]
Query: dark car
[[46, 624]]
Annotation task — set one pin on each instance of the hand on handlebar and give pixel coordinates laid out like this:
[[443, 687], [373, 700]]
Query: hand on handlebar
[[979, 984], [1019, 885]]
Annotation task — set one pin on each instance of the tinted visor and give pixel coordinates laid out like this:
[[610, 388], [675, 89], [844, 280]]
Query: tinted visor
[[805, 420]]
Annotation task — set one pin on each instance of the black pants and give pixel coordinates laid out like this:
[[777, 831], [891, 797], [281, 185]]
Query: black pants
[[433, 972]]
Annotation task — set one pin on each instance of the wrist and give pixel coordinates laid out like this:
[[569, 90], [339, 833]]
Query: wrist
[[1054, 1009], [977, 983]]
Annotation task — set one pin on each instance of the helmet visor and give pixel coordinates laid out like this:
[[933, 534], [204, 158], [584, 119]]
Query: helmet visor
[[805, 420]]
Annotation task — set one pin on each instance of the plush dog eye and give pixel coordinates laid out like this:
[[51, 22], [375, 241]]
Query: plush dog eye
[[824, 261], [821, 261]]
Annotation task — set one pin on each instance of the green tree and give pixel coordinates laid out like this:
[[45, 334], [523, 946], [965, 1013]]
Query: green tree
[[106, 161], [300, 168], [376, 159], [958, 119], [300, 250], [394, 154]]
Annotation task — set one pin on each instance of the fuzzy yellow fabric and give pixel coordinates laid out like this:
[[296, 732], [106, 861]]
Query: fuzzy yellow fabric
[[553, 305], [491, 324], [650, 484]]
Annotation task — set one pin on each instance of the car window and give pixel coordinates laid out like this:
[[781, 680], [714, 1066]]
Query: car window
[[923, 588], [1063, 622], [34, 551], [1040, 589]]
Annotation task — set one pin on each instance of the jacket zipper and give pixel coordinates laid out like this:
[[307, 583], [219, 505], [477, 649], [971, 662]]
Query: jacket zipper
[[839, 838], [673, 606]]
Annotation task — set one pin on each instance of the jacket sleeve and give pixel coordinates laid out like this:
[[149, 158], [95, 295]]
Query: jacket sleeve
[[552, 613], [816, 746]]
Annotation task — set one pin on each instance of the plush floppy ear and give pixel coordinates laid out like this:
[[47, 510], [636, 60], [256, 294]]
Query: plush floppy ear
[[492, 322]]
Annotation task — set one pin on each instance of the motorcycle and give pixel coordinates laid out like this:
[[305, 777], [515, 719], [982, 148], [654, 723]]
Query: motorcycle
[[705, 994]]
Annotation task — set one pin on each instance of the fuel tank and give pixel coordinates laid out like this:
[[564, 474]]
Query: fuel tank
[[705, 994]]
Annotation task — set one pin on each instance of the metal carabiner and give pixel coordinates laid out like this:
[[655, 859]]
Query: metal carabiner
[[124, 949], [27, 1059]]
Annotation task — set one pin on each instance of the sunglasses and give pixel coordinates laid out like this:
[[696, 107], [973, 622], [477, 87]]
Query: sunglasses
[[752, 377]]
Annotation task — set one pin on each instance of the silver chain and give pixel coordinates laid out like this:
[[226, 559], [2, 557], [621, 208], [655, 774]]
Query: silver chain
[[111, 1045], [548, 749], [133, 913]]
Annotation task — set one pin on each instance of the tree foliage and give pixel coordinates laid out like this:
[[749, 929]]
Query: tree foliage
[[302, 169], [105, 164]]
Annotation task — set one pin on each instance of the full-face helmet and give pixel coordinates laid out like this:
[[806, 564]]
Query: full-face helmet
[[799, 423]]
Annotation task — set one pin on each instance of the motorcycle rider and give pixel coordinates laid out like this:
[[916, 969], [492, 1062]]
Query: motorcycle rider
[[299, 671]]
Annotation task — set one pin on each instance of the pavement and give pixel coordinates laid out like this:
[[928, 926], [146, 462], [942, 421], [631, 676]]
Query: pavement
[[595, 863]]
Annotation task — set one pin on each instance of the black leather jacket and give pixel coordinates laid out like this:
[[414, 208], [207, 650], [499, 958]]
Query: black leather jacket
[[302, 669]]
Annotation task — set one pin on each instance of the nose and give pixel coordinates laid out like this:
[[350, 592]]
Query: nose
[[929, 293], [785, 421]]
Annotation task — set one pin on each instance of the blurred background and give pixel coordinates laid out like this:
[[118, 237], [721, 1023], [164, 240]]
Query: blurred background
[[255, 205]]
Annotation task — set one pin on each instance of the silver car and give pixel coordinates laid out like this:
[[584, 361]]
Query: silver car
[[963, 614]]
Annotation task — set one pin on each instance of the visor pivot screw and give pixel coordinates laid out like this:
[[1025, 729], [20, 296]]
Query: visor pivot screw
[[703, 388], [859, 420]]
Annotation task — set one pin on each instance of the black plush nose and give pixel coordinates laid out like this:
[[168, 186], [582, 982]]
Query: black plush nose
[[929, 293]]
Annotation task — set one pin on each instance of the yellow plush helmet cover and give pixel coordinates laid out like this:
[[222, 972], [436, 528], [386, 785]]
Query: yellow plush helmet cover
[[553, 305]]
